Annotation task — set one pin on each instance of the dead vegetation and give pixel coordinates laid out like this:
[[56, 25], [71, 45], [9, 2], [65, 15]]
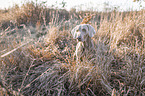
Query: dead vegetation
[[44, 65]]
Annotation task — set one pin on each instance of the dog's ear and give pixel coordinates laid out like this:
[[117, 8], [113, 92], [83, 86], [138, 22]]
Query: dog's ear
[[73, 32], [91, 30]]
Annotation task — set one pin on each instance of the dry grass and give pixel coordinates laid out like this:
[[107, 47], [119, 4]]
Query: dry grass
[[45, 66]]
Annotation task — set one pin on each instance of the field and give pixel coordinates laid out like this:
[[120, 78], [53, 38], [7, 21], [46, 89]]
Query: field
[[36, 53]]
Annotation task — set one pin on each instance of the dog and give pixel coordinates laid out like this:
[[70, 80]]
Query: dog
[[85, 45]]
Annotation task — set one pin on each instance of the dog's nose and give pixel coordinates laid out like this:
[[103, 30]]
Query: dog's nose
[[79, 38]]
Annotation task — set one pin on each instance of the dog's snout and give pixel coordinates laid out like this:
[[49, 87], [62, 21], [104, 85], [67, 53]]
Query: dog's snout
[[79, 38]]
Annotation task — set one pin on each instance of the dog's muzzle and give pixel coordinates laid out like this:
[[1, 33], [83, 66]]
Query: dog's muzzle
[[79, 38]]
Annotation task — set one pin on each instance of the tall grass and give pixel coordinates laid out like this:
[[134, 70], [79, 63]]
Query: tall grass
[[37, 58]]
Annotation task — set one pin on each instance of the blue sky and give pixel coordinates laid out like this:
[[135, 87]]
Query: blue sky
[[87, 4]]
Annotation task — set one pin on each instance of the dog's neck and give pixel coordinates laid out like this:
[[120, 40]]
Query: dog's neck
[[85, 49], [88, 43]]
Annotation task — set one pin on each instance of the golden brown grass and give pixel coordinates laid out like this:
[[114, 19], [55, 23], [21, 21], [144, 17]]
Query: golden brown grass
[[45, 66]]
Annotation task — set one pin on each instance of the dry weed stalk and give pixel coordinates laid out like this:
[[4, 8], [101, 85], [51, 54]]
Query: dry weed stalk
[[87, 19]]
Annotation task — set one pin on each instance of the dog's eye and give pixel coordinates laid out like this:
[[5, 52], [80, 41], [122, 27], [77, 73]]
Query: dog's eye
[[77, 30], [84, 30]]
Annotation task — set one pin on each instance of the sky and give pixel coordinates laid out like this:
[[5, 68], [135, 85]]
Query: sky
[[97, 5]]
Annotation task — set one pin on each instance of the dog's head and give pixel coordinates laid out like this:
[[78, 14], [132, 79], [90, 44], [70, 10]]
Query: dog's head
[[80, 32]]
